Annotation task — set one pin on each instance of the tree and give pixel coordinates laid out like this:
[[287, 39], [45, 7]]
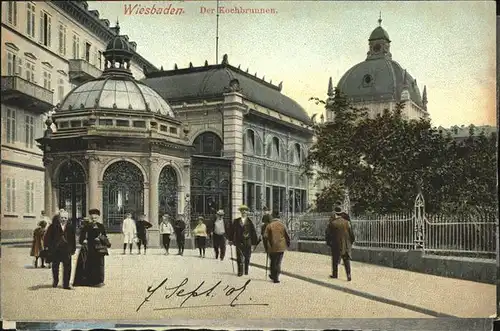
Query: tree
[[386, 160]]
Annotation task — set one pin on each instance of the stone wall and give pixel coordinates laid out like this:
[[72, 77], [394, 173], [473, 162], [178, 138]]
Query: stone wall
[[474, 269]]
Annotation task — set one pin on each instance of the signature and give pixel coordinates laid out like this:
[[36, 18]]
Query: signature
[[181, 291]]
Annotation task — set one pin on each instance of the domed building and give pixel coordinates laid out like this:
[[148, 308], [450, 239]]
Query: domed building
[[379, 82], [118, 147]]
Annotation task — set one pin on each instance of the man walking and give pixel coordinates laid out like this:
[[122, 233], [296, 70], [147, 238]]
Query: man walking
[[243, 236], [219, 236], [340, 237], [142, 227], [129, 231], [278, 240], [61, 243]]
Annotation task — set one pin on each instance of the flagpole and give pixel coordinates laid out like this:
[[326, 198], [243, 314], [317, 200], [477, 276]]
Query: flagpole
[[217, 37]]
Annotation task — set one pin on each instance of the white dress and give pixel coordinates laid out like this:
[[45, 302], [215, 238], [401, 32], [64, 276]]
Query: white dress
[[129, 231]]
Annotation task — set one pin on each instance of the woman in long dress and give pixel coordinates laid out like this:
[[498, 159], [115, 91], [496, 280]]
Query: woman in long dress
[[37, 244], [90, 263]]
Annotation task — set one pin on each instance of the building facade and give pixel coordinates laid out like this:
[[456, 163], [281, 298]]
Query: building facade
[[249, 139], [379, 82], [48, 48]]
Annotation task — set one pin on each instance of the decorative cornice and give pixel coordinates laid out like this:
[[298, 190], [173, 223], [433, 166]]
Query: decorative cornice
[[12, 45], [62, 72], [47, 64], [30, 55]]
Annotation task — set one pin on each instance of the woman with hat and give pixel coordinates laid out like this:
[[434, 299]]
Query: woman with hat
[[200, 234], [90, 263], [37, 244]]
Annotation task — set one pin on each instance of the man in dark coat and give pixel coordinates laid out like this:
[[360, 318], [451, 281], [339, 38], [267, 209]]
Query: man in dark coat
[[142, 226], [243, 235], [60, 240], [180, 229], [278, 240], [340, 237]]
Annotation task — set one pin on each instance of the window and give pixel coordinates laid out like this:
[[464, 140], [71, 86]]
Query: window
[[30, 20], [60, 89], [47, 80], [249, 142], [62, 39], [268, 197], [258, 195], [10, 192], [76, 46], [30, 197], [99, 59], [87, 52], [273, 151], [45, 29], [14, 64], [29, 131], [11, 126], [297, 159], [30, 71], [12, 12]]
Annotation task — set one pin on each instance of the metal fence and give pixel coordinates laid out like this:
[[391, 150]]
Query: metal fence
[[470, 235]]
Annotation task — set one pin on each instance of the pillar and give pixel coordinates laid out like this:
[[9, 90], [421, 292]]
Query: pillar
[[49, 211], [93, 180], [234, 110], [153, 202]]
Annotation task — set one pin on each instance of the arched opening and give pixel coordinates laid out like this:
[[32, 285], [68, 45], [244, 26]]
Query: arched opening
[[210, 178], [168, 192], [208, 144], [123, 192], [72, 190]]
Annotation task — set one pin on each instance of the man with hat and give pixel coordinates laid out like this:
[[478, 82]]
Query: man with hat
[[339, 236], [142, 226], [243, 236], [219, 235], [266, 219]]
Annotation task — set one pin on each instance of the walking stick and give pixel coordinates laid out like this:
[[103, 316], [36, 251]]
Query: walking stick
[[232, 260], [267, 256]]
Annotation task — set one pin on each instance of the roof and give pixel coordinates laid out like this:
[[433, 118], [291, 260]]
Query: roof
[[117, 93], [379, 33], [386, 81], [211, 81]]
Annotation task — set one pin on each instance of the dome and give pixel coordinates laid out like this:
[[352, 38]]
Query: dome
[[119, 43], [379, 33], [378, 79], [119, 93]]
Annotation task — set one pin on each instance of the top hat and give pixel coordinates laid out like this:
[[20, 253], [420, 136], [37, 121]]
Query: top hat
[[220, 212], [243, 208], [95, 212]]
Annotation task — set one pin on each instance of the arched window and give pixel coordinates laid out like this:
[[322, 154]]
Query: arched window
[[249, 142], [209, 144], [274, 149], [297, 154]]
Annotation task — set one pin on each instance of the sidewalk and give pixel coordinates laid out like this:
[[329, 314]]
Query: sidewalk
[[446, 296]]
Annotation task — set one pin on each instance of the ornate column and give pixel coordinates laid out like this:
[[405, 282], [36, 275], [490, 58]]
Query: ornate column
[[153, 203], [93, 182], [49, 210], [234, 110]]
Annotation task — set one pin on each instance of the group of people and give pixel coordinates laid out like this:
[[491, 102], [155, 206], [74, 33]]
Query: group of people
[[57, 244]]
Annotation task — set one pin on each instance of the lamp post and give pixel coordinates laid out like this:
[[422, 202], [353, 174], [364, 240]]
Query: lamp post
[[187, 214]]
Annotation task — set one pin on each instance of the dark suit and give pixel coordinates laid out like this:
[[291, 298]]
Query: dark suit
[[243, 236], [61, 245], [340, 237]]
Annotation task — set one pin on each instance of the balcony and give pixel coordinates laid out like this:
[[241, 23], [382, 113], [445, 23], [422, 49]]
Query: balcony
[[21, 93], [81, 71]]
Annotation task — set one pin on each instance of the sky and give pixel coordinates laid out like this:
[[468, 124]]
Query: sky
[[449, 46]]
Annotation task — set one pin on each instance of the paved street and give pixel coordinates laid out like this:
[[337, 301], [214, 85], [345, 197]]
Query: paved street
[[305, 290]]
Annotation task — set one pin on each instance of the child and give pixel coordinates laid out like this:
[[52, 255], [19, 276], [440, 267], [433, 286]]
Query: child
[[37, 244]]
